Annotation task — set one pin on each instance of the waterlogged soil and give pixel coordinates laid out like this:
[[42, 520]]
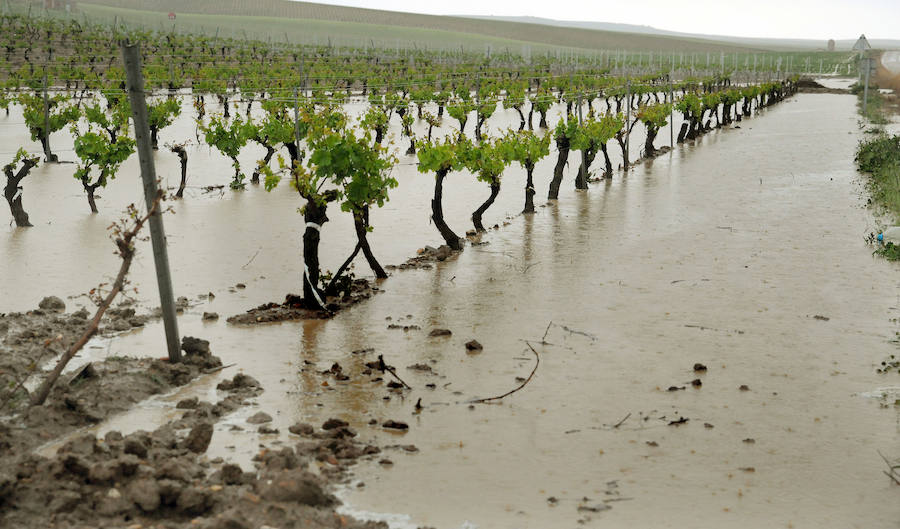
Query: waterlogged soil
[[743, 252], [55, 471]]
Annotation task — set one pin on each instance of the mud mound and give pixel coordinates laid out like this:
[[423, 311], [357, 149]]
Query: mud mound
[[809, 86], [163, 479], [292, 308]]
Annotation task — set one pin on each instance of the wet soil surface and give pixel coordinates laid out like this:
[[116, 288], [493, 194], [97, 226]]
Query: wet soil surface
[[161, 478], [164, 479], [292, 307]]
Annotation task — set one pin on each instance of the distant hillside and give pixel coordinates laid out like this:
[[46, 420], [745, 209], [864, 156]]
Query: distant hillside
[[360, 23], [760, 43]]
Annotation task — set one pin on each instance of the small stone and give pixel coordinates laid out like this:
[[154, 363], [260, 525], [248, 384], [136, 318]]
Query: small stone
[[395, 425], [696, 383], [301, 428], [135, 447], [750, 441], [442, 253], [473, 345], [259, 418], [145, 493], [76, 465], [699, 367], [240, 285], [195, 346], [386, 462], [188, 404], [199, 437], [744, 387], [52, 303], [193, 501], [232, 474], [267, 430], [331, 424], [293, 486], [440, 332], [210, 316]]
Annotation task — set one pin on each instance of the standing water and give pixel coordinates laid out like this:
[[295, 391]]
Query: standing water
[[691, 258]]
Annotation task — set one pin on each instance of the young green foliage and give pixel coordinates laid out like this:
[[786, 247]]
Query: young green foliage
[[62, 113], [526, 148], [229, 138], [100, 159], [161, 114]]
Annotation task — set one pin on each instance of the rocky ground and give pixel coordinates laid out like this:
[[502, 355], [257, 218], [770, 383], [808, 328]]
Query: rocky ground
[[148, 479]]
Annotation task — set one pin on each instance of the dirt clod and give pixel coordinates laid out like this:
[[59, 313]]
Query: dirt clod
[[199, 437], [473, 345], [259, 418], [53, 304], [332, 424]]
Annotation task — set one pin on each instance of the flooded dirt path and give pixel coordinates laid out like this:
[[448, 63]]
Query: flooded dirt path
[[743, 252]]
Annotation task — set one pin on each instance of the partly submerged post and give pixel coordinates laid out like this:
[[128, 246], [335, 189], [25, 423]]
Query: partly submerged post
[[131, 56]]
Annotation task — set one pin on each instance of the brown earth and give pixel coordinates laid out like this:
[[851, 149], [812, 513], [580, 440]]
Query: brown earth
[[150, 479]]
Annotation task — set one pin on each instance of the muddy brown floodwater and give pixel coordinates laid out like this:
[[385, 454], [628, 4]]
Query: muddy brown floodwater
[[743, 252]]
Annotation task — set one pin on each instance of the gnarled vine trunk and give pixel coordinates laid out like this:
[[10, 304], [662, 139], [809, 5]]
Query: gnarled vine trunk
[[608, 164], [13, 192], [437, 212], [182, 157], [562, 146], [361, 223], [270, 152], [477, 214], [529, 189], [314, 216], [649, 149]]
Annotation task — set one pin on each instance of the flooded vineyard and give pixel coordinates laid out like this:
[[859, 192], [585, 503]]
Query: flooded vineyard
[[697, 337]]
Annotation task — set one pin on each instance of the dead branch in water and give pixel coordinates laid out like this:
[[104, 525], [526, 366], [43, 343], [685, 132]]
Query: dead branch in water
[[386, 368], [620, 423], [527, 380], [124, 239], [893, 469]]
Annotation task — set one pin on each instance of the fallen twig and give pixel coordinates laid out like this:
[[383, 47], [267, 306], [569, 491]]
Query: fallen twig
[[217, 369], [527, 380], [620, 423], [544, 338], [893, 469], [124, 239], [251, 259], [34, 367], [386, 368]]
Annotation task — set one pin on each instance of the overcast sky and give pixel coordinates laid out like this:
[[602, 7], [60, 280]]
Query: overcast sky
[[809, 19]]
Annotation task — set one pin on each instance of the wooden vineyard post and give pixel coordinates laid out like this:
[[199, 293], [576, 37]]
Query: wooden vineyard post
[[131, 56], [868, 65], [627, 122], [48, 156], [671, 112]]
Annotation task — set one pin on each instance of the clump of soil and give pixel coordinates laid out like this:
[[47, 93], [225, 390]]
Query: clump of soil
[[163, 479], [808, 86], [425, 257], [292, 307]]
